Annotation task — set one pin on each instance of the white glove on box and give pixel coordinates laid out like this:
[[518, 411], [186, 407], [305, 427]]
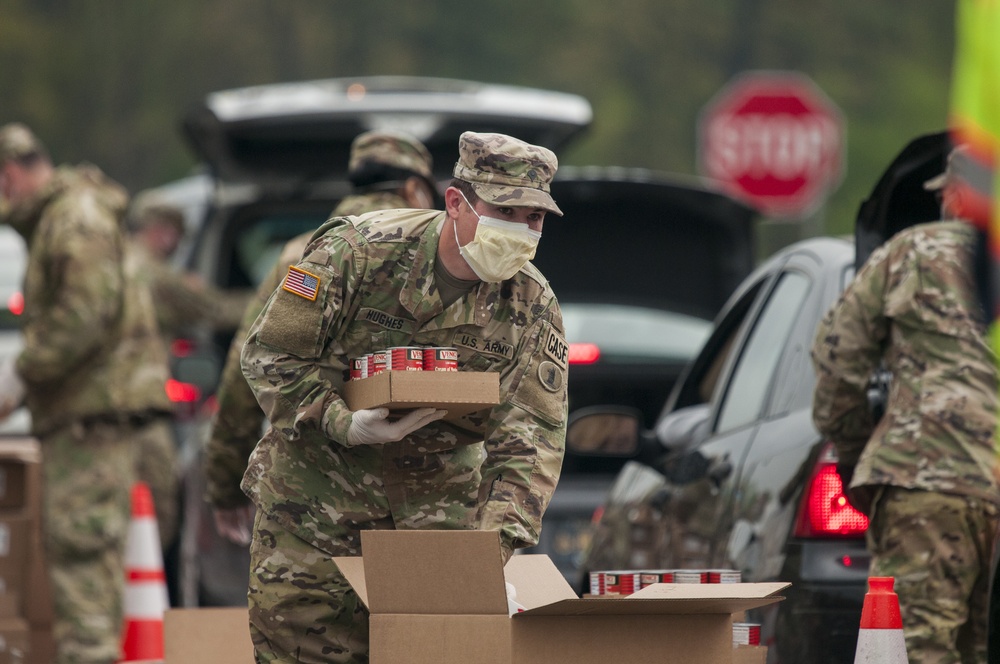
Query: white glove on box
[[372, 426], [11, 388]]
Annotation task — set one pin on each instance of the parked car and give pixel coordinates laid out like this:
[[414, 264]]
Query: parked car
[[734, 475], [13, 260]]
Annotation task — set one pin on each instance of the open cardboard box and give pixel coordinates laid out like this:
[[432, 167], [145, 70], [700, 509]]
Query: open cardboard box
[[439, 597], [458, 392]]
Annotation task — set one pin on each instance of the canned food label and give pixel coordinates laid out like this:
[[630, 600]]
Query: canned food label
[[486, 346], [382, 319]]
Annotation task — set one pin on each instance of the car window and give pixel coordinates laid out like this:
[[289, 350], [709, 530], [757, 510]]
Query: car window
[[748, 387], [260, 239], [625, 333]]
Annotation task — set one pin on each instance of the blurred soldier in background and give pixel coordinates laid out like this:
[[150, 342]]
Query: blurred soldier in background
[[92, 374], [388, 170], [182, 300], [924, 473]]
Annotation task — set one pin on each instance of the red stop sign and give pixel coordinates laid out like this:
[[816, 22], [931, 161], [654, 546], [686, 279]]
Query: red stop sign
[[774, 140]]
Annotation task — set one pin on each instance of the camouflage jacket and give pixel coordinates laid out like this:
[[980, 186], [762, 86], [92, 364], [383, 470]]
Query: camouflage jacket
[[182, 301], [912, 306], [239, 421], [377, 290], [91, 344]]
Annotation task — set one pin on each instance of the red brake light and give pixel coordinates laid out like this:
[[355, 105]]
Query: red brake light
[[825, 511], [584, 353], [182, 347], [179, 392], [15, 304]]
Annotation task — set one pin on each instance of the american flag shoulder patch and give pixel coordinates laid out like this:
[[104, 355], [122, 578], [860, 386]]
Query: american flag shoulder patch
[[301, 283]]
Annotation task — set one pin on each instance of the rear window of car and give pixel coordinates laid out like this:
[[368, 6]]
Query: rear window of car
[[625, 333]]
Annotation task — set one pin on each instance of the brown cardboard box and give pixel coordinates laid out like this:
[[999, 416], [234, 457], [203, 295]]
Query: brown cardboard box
[[20, 474], [458, 392], [15, 541], [14, 641], [439, 596], [207, 636], [42, 648]]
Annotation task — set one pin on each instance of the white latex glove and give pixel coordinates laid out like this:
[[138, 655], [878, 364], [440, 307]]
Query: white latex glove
[[372, 426], [234, 524], [513, 606], [11, 388]]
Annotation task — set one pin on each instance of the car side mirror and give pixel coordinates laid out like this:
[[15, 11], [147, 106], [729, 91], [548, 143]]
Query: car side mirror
[[604, 431], [684, 428]]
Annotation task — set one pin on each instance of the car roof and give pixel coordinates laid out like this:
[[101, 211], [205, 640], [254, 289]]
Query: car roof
[[645, 237], [303, 130]]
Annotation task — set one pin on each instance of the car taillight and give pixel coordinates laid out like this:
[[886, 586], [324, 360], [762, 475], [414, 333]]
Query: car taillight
[[179, 392], [825, 511], [15, 304], [182, 347], [584, 353]]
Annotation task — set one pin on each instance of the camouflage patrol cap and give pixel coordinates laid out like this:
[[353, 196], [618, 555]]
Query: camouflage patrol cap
[[16, 141], [391, 148], [507, 171], [959, 164]]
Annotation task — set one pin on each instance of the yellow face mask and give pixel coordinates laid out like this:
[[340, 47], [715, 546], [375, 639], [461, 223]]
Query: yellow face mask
[[499, 249]]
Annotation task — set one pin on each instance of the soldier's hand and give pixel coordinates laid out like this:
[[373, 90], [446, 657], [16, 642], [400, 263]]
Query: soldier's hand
[[11, 388], [372, 426], [234, 524]]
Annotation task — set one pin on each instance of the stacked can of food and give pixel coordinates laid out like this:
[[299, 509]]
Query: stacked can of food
[[440, 358], [404, 358], [650, 576], [724, 576], [746, 634]]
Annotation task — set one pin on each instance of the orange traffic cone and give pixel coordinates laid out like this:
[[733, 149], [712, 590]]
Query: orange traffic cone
[[146, 597], [880, 640]]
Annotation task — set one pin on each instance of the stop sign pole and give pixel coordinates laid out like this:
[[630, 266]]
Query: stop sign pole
[[773, 140]]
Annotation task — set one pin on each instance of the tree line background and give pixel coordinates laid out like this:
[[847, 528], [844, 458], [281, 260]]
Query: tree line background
[[108, 81]]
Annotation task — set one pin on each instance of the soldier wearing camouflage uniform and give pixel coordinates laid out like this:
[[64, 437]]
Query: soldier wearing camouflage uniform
[[389, 170], [92, 372], [183, 301], [924, 474], [324, 473]]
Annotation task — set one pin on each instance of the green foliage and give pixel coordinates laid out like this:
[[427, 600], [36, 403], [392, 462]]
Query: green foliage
[[108, 80]]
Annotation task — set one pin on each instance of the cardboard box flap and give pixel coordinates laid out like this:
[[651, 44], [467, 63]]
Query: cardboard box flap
[[710, 590], [684, 599], [433, 571], [537, 580], [353, 570], [23, 449]]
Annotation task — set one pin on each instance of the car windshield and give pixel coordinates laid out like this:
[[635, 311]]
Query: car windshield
[[625, 333]]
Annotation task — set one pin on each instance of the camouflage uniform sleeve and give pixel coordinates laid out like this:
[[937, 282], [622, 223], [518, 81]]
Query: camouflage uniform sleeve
[[525, 437], [182, 302], [84, 249], [238, 423], [283, 358], [845, 353]]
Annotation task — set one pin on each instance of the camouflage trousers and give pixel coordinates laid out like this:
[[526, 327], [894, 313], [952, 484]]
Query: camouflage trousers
[[156, 461], [938, 548], [88, 474]]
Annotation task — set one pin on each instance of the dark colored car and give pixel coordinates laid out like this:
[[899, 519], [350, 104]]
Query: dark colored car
[[641, 262], [734, 475]]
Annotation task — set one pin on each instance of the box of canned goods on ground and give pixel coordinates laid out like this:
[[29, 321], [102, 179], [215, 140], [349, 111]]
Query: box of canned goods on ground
[[445, 597], [407, 377]]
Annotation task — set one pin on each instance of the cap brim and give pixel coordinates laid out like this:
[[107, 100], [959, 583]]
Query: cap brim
[[497, 194], [936, 182]]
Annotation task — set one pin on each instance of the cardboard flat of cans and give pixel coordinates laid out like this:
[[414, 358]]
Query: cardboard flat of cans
[[458, 392], [440, 596]]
